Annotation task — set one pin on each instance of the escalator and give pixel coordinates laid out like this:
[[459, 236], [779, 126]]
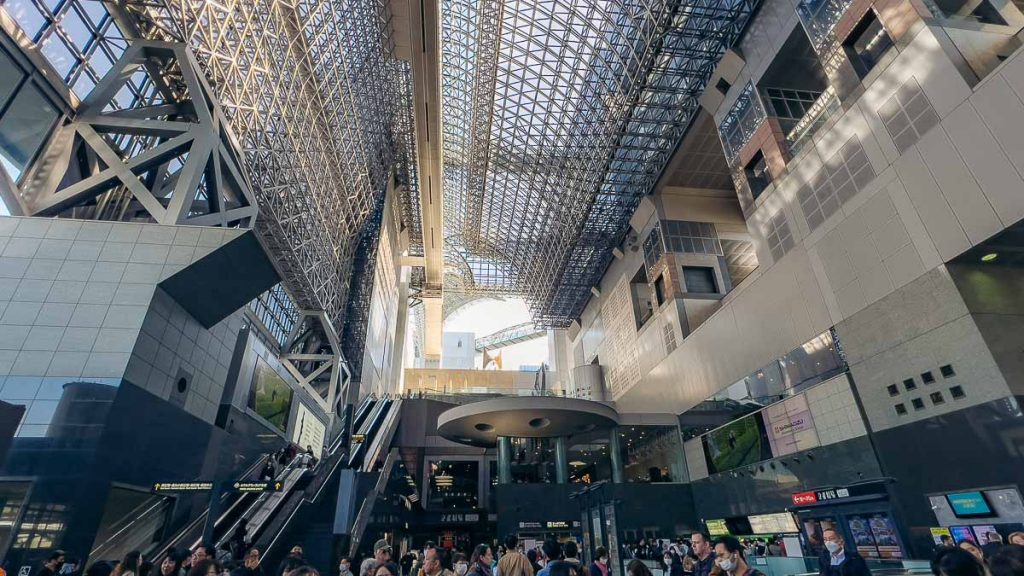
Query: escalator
[[139, 526], [303, 510], [310, 516]]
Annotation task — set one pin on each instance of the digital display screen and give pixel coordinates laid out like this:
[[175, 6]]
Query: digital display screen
[[962, 534], [717, 527], [772, 523], [739, 443], [969, 504], [271, 397]]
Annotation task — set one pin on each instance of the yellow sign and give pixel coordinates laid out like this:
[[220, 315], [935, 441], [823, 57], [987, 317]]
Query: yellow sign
[[938, 533], [717, 528], [183, 486], [262, 486]]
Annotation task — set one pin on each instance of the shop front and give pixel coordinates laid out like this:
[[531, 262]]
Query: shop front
[[861, 513]]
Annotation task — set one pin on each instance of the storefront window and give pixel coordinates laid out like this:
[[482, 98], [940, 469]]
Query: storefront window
[[652, 454], [533, 460], [589, 460], [453, 485]]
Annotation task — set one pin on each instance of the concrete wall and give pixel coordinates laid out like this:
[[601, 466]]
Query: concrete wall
[[956, 185], [75, 297]]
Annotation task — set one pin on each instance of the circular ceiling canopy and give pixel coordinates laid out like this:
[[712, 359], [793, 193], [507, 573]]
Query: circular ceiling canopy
[[480, 423]]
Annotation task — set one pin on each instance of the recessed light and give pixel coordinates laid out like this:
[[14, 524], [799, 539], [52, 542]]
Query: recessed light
[[991, 256]]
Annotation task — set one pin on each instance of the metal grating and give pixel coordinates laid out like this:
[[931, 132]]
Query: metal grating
[[321, 110], [547, 156]]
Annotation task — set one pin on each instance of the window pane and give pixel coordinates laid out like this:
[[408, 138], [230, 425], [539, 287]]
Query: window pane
[[12, 74], [27, 16], [24, 127], [59, 55]]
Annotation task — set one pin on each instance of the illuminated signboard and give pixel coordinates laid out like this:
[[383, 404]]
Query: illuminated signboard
[[969, 504], [182, 486], [773, 523], [717, 527]]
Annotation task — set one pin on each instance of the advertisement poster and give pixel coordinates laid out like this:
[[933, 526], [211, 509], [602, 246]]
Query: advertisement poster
[[938, 533], [790, 427], [614, 563], [863, 539], [962, 534], [884, 531], [981, 531]]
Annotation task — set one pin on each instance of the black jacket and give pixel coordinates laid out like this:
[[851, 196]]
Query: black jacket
[[703, 567], [854, 565]]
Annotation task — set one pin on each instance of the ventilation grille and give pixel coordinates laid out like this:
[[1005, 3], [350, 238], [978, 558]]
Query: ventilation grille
[[908, 115]]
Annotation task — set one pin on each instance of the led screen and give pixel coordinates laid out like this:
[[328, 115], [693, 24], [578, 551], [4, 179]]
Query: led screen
[[772, 523], [271, 397], [969, 504], [736, 444]]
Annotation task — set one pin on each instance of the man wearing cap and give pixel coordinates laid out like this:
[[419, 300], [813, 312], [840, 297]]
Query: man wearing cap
[[382, 551]]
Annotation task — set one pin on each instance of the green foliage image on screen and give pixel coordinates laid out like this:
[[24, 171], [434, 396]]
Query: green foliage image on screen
[[736, 444], [271, 396]]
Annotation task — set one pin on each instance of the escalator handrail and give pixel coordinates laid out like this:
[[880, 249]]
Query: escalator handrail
[[366, 508], [370, 428], [260, 499], [382, 438], [182, 533], [305, 501]]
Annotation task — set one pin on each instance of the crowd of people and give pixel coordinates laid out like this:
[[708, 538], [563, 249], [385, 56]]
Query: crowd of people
[[967, 558], [697, 556]]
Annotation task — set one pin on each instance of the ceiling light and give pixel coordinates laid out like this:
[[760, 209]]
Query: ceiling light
[[991, 256]]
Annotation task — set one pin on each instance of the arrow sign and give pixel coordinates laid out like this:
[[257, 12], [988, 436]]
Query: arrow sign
[[261, 486], [183, 486]]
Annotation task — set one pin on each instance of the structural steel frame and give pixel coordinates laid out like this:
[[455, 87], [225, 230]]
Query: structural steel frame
[[319, 105], [560, 116]]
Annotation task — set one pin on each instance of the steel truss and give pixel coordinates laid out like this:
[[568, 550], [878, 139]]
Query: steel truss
[[560, 115], [168, 157], [319, 106]]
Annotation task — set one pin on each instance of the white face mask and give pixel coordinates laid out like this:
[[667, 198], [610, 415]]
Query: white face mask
[[833, 547], [726, 564], [667, 559], [461, 568], [602, 560]]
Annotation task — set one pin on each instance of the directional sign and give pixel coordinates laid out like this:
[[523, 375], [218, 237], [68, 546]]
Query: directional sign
[[261, 486], [183, 486]]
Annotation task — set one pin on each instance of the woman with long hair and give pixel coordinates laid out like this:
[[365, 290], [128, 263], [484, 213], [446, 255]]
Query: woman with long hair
[[637, 568], [129, 566], [481, 560]]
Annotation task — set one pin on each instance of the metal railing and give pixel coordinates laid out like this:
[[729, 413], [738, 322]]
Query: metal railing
[[742, 120], [819, 18], [823, 108]]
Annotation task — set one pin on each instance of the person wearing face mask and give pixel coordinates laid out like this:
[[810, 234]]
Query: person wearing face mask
[[461, 564], [672, 564], [600, 565], [345, 566], [729, 558], [836, 560]]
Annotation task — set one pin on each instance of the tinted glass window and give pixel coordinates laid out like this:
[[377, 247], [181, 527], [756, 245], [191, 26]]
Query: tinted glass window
[[24, 127]]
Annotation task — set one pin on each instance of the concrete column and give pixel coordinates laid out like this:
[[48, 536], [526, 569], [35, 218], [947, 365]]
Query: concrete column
[[504, 460], [561, 460], [614, 451]]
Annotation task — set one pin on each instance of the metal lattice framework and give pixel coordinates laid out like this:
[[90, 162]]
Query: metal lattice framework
[[509, 336], [559, 116], [320, 109]]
